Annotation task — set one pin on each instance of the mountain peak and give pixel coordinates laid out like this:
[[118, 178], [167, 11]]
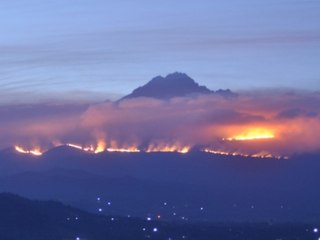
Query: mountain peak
[[176, 84], [173, 80]]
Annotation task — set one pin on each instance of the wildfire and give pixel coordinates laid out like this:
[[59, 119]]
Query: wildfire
[[132, 149], [86, 149], [35, 151], [262, 154], [101, 147], [75, 146], [168, 148], [252, 134]]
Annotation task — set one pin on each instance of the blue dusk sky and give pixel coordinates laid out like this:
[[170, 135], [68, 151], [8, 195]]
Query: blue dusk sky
[[101, 49]]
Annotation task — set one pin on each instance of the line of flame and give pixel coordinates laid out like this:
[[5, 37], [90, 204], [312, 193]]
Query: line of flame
[[168, 148], [35, 152], [152, 148], [256, 155]]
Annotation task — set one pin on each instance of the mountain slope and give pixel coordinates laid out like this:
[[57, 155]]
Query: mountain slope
[[21, 218], [173, 85], [141, 181]]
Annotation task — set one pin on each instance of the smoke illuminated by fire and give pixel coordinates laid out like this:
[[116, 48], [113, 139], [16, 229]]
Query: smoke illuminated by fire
[[270, 123], [252, 134]]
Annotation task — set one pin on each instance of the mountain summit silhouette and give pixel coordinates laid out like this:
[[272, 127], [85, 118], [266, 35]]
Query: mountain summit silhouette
[[173, 85]]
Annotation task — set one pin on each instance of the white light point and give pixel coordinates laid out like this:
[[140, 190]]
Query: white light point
[[148, 218], [315, 230], [155, 229]]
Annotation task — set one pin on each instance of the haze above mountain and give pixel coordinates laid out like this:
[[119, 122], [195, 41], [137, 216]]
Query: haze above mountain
[[174, 85]]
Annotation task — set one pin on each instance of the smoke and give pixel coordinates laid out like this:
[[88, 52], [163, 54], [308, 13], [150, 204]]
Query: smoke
[[293, 117]]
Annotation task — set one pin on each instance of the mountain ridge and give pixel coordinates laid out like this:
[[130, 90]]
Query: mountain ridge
[[176, 84]]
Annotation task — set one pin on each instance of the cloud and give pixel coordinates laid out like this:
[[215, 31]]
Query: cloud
[[296, 112], [293, 117]]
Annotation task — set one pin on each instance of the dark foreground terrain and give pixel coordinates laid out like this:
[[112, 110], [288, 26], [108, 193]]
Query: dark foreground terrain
[[21, 218], [197, 186]]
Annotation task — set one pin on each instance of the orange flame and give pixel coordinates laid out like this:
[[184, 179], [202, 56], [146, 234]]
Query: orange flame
[[262, 154], [252, 134], [168, 148], [75, 146], [131, 149], [35, 151], [101, 146]]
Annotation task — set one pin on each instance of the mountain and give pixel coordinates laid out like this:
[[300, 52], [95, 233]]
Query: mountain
[[173, 85], [139, 183], [26, 219]]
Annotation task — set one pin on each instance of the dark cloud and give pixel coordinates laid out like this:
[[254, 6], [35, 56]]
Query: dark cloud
[[296, 112]]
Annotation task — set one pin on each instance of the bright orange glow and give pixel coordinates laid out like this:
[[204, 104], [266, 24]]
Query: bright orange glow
[[168, 148], [89, 149], [184, 150], [256, 155], [101, 147], [252, 134], [224, 153], [74, 146], [35, 151], [113, 146], [20, 150], [132, 149]]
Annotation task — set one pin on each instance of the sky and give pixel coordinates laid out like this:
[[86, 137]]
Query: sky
[[61, 60], [81, 50]]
